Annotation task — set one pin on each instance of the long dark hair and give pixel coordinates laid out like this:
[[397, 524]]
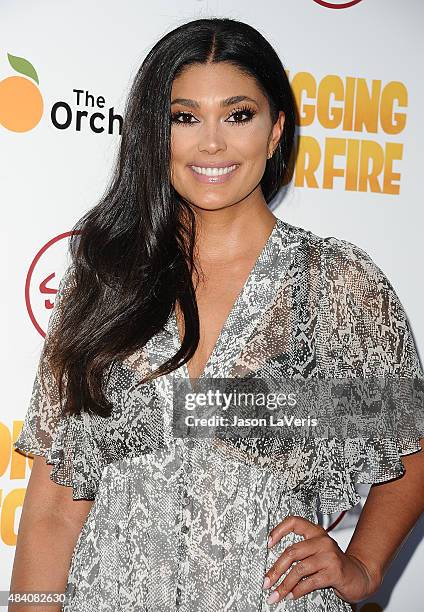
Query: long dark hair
[[132, 254]]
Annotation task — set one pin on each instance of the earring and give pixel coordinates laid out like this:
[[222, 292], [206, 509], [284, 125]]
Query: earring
[[271, 153]]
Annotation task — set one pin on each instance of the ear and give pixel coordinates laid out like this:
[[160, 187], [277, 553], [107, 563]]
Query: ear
[[277, 131]]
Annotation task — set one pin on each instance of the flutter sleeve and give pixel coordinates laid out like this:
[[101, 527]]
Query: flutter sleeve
[[365, 333], [64, 439]]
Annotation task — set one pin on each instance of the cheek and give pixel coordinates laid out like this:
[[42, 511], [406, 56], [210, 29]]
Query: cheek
[[251, 140], [181, 143], [178, 155], [252, 148]]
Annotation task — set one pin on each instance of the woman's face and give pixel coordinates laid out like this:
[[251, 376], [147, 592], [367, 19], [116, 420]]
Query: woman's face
[[220, 119]]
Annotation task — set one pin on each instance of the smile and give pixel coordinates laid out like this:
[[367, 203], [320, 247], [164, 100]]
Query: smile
[[213, 171], [213, 175]]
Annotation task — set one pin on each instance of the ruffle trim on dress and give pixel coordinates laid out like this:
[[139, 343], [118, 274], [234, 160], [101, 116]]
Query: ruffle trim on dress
[[74, 455], [332, 467], [347, 463]]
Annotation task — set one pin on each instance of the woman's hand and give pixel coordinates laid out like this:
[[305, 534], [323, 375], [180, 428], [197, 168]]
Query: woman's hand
[[319, 563]]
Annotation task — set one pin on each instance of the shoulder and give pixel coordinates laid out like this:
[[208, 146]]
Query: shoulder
[[336, 254], [351, 267], [353, 282], [345, 268], [67, 283], [332, 246], [68, 278], [347, 261], [339, 252]]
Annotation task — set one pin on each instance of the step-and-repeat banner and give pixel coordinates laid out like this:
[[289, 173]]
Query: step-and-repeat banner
[[65, 70]]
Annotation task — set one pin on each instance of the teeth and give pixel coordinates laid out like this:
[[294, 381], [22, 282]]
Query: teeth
[[213, 171]]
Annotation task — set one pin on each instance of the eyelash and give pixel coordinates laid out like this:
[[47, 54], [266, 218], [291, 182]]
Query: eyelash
[[247, 110]]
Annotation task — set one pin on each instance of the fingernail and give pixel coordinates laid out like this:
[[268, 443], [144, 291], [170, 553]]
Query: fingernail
[[267, 583], [273, 597], [289, 596], [269, 541]]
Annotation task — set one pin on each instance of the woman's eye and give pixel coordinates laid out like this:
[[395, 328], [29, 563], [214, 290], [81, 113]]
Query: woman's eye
[[175, 118], [182, 118], [244, 111]]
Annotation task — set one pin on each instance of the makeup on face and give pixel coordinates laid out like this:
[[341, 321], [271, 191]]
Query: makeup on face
[[213, 173], [220, 127]]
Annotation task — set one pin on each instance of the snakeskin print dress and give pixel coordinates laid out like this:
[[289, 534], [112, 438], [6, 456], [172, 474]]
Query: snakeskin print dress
[[180, 524]]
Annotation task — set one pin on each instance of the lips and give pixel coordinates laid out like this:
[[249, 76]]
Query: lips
[[213, 171], [214, 164], [213, 178]]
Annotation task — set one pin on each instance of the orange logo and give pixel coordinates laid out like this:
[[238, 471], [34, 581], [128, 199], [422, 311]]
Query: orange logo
[[21, 102]]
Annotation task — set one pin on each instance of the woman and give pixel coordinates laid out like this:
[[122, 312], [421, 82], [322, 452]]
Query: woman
[[181, 271]]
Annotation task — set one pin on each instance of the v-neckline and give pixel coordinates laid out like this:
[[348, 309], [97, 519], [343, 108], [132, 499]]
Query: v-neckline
[[261, 258]]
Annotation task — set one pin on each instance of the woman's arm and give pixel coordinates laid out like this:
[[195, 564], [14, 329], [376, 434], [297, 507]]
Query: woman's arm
[[50, 524], [390, 512]]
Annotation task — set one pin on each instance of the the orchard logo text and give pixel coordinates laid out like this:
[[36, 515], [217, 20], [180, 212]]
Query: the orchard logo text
[[22, 105]]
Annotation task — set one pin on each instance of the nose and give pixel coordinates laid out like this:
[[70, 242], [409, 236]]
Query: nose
[[211, 138]]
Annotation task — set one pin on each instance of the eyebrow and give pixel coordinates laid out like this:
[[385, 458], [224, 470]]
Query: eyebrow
[[223, 103]]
